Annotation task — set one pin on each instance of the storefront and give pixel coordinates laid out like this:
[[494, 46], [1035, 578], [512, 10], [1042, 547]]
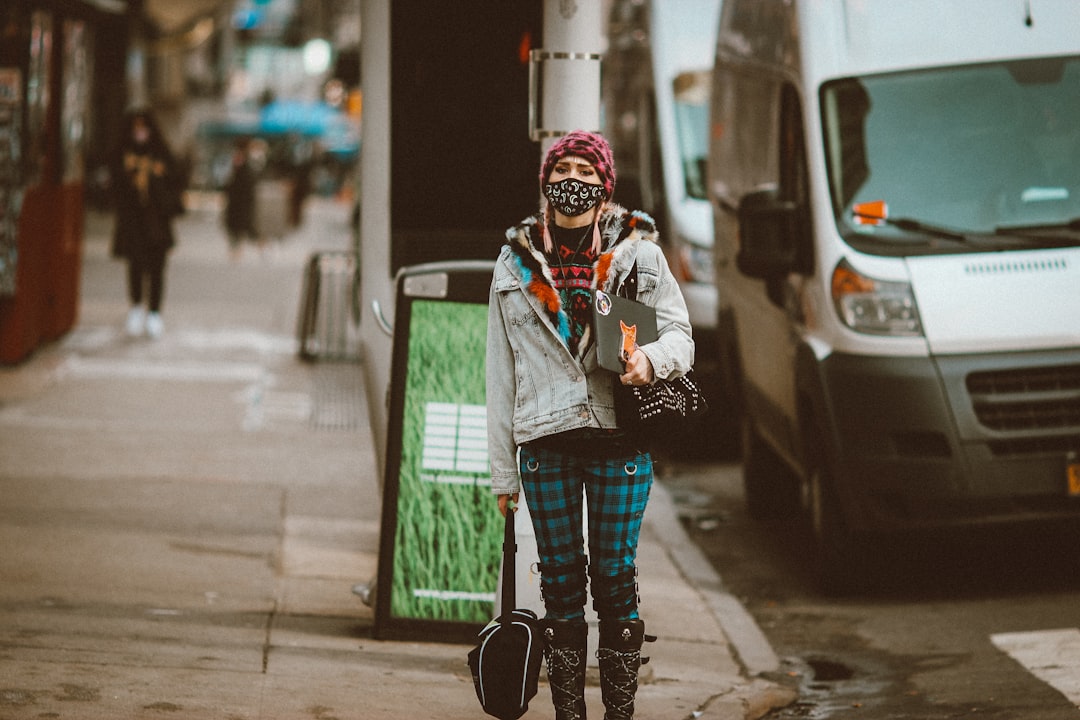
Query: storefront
[[46, 79]]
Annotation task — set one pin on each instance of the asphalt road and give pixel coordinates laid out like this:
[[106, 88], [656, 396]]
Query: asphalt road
[[955, 626]]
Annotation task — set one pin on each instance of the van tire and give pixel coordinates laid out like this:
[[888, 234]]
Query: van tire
[[717, 434], [840, 564], [769, 486], [727, 383]]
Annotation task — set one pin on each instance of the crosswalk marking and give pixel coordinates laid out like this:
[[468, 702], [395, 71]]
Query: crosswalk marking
[[179, 370], [1053, 656]]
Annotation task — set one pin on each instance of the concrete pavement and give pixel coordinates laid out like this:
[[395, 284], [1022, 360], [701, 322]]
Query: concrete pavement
[[183, 519]]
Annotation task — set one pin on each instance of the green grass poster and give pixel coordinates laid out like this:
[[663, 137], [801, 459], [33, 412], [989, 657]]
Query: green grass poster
[[449, 533]]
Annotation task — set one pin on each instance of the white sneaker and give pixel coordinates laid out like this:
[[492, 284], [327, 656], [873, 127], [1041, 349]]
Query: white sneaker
[[154, 325], [135, 321]]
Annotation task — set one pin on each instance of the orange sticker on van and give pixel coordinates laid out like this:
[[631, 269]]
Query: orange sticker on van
[[874, 212]]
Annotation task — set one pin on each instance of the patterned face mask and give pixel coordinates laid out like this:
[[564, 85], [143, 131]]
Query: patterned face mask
[[571, 197]]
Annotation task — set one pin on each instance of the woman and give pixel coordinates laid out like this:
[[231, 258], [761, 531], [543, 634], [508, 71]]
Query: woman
[[148, 191], [551, 417], [240, 199]]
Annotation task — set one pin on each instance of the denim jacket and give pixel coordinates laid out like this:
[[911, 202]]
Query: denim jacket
[[535, 386]]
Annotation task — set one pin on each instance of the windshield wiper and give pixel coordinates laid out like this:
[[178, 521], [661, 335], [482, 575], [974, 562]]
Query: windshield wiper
[[912, 225], [918, 226], [1049, 232]]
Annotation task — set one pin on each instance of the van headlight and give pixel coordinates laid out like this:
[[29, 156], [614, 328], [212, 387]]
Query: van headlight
[[696, 263], [875, 307]]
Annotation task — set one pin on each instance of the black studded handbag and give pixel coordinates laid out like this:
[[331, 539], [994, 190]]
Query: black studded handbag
[[664, 409], [663, 402]]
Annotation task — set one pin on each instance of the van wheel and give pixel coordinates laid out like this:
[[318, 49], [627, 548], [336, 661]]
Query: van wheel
[[728, 394], [839, 564], [716, 436], [768, 484]]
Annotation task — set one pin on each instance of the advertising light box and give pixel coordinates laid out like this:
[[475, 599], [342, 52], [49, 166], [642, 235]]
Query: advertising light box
[[441, 532]]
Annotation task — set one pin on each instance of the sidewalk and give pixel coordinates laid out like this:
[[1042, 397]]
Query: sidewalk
[[183, 520]]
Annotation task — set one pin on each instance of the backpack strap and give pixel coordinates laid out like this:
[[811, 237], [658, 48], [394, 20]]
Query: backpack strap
[[509, 580]]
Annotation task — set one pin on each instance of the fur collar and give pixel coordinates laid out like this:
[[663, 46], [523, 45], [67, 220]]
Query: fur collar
[[620, 230]]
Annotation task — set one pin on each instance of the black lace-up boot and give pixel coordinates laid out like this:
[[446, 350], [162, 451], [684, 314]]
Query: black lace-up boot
[[565, 653], [620, 659]]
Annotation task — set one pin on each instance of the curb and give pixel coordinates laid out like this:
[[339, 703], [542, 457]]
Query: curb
[[750, 647]]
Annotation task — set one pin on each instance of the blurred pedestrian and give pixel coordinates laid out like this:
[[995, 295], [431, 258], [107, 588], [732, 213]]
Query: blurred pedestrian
[[301, 163], [552, 430], [148, 196], [240, 199]]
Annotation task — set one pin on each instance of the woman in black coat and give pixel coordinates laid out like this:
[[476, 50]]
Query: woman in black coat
[[240, 199], [148, 196]]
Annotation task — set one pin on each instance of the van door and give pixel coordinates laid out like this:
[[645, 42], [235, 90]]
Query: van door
[[770, 342]]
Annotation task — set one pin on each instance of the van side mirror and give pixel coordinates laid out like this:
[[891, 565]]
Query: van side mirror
[[768, 233]]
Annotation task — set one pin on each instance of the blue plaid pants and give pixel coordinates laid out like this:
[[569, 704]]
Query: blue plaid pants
[[557, 486]]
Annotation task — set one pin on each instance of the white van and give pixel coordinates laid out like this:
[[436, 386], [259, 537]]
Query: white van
[[896, 194], [656, 112]]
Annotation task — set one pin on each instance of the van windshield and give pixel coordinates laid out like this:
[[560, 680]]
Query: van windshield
[[981, 151]]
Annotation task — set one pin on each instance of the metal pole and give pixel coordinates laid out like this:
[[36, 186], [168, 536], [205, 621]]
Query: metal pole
[[568, 70]]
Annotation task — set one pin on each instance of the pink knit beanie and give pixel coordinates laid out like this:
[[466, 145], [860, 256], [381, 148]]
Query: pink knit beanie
[[588, 145]]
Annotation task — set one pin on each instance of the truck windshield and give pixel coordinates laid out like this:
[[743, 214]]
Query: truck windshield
[[972, 150]]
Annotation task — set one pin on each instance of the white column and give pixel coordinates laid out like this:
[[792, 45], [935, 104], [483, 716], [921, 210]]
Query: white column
[[376, 277], [569, 69]]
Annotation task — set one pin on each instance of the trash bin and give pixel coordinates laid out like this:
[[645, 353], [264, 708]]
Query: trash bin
[[328, 326], [272, 208]]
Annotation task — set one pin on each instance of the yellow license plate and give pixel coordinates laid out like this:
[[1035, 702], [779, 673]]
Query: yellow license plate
[[1072, 470]]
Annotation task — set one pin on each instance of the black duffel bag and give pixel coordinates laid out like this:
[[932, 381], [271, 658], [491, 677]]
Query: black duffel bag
[[505, 663]]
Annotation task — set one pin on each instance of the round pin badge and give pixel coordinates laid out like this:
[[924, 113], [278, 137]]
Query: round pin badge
[[603, 302]]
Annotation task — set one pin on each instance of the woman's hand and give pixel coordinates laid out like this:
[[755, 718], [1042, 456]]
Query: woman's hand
[[639, 369], [505, 501]]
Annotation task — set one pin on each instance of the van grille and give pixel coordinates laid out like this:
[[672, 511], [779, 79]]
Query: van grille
[[1028, 399], [1054, 444]]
